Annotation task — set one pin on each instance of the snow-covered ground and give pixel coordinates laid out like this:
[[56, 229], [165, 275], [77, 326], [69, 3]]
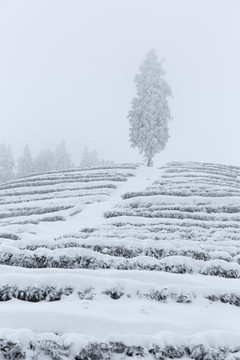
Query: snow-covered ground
[[121, 262]]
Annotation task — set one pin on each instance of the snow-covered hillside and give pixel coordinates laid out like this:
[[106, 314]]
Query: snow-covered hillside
[[121, 262]]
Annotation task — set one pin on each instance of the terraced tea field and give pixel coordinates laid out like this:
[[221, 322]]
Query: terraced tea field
[[121, 262]]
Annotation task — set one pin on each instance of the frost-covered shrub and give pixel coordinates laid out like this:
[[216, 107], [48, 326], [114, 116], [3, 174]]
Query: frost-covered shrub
[[87, 262], [53, 218], [157, 295], [114, 293], [75, 212], [51, 348], [34, 294], [218, 270], [87, 294], [182, 297], [231, 298], [171, 352], [29, 221], [11, 350], [157, 253], [92, 351], [32, 211], [133, 351], [170, 214], [177, 268], [37, 260], [164, 294], [199, 352], [9, 236], [57, 350]]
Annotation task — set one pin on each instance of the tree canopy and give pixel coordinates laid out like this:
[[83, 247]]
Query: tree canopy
[[150, 113]]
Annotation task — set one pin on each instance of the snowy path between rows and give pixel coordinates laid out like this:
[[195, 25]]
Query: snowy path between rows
[[92, 214], [101, 317]]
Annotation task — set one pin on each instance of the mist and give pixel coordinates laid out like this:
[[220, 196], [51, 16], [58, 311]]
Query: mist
[[67, 71], [106, 253]]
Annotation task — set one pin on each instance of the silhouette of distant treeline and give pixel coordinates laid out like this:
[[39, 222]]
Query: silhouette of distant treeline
[[46, 160]]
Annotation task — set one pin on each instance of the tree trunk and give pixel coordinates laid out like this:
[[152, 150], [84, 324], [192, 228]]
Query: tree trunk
[[149, 162]]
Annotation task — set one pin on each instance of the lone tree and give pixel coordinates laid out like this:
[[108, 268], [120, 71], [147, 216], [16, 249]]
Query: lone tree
[[150, 113]]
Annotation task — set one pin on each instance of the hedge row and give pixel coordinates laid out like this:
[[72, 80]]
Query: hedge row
[[200, 207], [37, 221], [198, 179], [53, 293], [163, 223], [65, 177], [205, 165], [134, 251], [169, 215], [10, 236], [201, 169], [162, 296], [34, 211], [51, 191], [55, 350], [43, 182], [182, 193], [90, 262], [33, 293], [86, 262], [129, 253], [66, 196], [195, 184]]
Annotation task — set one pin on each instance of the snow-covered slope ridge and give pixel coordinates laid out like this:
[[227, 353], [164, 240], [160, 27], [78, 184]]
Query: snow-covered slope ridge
[[121, 262]]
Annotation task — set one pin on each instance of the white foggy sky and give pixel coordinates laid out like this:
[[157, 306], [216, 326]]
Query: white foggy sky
[[67, 70]]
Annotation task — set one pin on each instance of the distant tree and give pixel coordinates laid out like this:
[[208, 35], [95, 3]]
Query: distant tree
[[84, 163], [94, 158], [150, 113], [6, 163], [103, 162], [44, 161], [62, 158], [89, 159], [25, 164]]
